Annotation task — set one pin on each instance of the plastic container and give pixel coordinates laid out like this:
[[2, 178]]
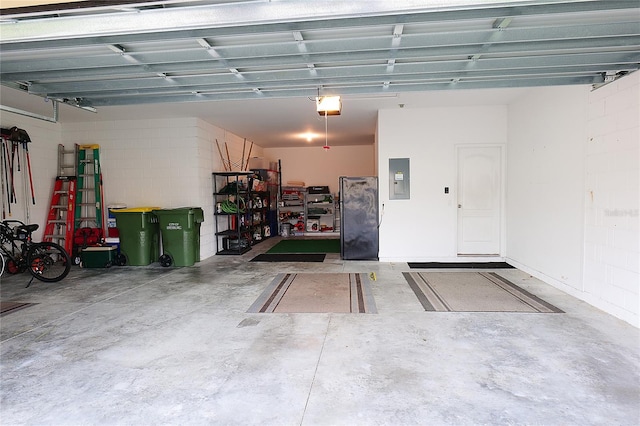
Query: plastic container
[[180, 230], [112, 230], [286, 230], [139, 236], [115, 243], [98, 257]]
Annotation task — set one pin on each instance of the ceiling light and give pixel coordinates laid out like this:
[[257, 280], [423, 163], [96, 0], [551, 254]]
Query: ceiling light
[[328, 105], [309, 136]]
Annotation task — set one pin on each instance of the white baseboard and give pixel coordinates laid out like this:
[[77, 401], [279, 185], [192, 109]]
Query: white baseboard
[[598, 303]]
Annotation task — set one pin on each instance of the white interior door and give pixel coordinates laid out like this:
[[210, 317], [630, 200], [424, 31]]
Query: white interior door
[[479, 200]]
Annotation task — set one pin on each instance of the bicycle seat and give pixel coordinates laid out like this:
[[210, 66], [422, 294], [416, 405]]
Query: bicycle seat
[[27, 228]]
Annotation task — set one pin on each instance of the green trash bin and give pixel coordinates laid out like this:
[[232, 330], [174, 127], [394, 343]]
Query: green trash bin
[[139, 236], [180, 231]]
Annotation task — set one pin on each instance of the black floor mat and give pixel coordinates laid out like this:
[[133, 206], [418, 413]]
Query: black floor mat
[[450, 265], [289, 257]]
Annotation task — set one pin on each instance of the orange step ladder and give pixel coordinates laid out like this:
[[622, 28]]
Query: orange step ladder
[[60, 221], [60, 225]]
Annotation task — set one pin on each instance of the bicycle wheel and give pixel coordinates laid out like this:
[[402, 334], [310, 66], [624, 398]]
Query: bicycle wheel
[[48, 262], [12, 267]]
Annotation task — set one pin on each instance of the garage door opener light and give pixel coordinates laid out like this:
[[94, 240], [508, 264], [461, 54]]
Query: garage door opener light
[[328, 105]]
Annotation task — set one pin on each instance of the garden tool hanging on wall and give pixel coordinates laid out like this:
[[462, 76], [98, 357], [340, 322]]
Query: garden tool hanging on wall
[[20, 136], [7, 165], [4, 180], [12, 139]]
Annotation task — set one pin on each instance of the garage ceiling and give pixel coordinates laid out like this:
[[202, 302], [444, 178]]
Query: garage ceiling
[[104, 54]]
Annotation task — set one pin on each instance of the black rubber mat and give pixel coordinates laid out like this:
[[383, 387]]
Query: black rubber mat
[[450, 265]]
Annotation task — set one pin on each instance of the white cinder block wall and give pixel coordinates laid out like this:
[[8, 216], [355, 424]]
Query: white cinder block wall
[[545, 163], [163, 163], [573, 191], [611, 198], [424, 228], [45, 137]]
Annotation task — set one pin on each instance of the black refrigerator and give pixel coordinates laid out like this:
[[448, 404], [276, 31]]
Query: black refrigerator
[[359, 218]]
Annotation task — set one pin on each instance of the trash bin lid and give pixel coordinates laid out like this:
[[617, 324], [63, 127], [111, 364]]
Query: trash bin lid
[[197, 212], [177, 209], [116, 206], [137, 210]]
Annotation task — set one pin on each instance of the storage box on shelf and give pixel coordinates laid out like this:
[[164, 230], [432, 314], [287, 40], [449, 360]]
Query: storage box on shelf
[[320, 209]]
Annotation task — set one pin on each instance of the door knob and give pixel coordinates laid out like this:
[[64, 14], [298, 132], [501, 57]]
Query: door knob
[[459, 206]]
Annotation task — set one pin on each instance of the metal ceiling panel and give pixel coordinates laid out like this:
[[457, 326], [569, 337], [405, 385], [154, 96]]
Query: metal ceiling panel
[[182, 51]]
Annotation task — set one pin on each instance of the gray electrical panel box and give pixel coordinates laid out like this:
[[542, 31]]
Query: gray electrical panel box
[[399, 179]]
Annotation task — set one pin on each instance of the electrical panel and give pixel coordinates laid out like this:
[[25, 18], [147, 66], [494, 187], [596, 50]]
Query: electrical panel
[[399, 179]]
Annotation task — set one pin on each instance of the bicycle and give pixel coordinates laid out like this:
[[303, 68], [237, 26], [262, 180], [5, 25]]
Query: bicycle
[[46, 261]]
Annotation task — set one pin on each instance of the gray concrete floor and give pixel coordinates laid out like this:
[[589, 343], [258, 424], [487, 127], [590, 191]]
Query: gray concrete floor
[[152, 345]]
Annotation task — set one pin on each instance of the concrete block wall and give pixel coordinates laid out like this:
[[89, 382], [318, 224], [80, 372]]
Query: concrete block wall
[[573, 192], [159, 163], [545, 181], [612, 199], [144, 162]]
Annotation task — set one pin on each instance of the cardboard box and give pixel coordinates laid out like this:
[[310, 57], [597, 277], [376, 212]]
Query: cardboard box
[[258, 163]]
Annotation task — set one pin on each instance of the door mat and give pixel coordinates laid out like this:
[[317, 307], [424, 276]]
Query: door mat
[[8, 307], [314, 245], [316, 293], [466, 265], [473, 292], [289, 257]]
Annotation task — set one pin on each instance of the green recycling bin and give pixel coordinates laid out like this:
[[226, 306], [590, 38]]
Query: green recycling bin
[[139, 236], [180, 231]]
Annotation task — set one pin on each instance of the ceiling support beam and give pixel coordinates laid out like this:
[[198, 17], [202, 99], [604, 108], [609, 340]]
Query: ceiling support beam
[[490, 66], [362, 89], [260, 48], [283, 15], [302, 49], [395, 44]]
